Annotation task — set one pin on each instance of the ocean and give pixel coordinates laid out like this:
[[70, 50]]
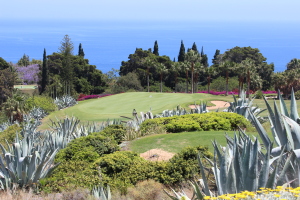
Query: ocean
[[107, 43]]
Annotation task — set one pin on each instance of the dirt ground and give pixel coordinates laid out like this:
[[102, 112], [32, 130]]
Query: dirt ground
[[157, 155]]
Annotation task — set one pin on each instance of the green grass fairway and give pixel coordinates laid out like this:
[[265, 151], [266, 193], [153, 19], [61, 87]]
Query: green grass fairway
[[25, 86], [174, 142], [112, 107]]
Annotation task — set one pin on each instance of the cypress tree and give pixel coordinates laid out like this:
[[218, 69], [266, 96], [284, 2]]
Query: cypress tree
[[181, 52], [155, 49], [194, 47], [204, 59], [215, 59], [80, 51], [44, 73]]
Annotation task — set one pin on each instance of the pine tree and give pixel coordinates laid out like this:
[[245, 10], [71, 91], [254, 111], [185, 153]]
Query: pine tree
[[80, 51], [67, 75], [181, 52], [155, 49], [194, 47], [45, 78]]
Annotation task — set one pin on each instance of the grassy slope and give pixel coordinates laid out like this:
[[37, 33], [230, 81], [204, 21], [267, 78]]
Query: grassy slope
[[112, 107], [174, 142]]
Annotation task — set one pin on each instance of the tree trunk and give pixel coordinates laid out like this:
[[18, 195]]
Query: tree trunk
[[148, 78], [208, 84], [226, 83], [187, 84], [248, 84], [161, 83], [192, 76]]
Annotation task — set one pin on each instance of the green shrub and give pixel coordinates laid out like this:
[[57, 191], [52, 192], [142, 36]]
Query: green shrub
[[9, 134], [124, 168], [297, 95], [70, 176], [44, 102], [87, 148], [116, 131], [259, 94], [198, 122]]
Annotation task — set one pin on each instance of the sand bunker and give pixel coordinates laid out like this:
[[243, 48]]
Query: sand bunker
[[157, 155]]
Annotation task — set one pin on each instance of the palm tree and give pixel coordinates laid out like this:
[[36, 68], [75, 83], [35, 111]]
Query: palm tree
[[198, 69], [293, 64], [185, 66], [176, 68], [210, 71], [161, 69], [148, 62], [249, 66], [15, 107], [192, 57], [226, 67]]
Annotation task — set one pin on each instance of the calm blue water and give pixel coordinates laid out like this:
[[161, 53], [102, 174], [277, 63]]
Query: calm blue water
[[107, 44]]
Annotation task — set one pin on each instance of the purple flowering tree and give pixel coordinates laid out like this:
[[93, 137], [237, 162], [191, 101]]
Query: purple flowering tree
[[29, 74]]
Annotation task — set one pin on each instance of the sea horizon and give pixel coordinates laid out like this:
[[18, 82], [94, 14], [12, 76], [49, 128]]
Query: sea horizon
[[107, 43]]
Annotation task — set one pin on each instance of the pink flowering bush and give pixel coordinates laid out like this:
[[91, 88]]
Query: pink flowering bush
[[234, 92], [93, 96]]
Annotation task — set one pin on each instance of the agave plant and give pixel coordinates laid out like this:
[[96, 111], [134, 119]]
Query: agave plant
[[65, 101], [201, 108], [243, 106], [101, 194], [24, 163], [4, 126]]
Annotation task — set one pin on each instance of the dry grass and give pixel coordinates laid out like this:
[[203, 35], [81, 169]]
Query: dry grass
[[79, 194], [144, 190]]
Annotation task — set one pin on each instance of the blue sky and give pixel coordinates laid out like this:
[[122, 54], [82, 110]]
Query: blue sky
[[198, 10]]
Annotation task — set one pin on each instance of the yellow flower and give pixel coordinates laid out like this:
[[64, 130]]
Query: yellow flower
[[207, 197], [277, 195]]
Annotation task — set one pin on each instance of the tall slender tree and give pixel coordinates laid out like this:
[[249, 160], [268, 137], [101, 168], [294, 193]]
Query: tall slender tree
[[45, 78], [226, 67], [176, 68], [194, 47], [148, 62], [155, 49], [249, 66], [192, 57], [215, 60], [161, 69], [185, 66], [181, 52], [204, 59], [80, 51], [66, 49]]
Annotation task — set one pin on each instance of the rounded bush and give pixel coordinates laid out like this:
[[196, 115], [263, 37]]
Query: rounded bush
[[87, 148], [212, 121], [297, 95]]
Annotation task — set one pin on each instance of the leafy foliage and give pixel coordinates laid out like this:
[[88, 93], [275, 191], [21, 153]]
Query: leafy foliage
[[199, 122], [9, 134], [88, 148], [44, 102]]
